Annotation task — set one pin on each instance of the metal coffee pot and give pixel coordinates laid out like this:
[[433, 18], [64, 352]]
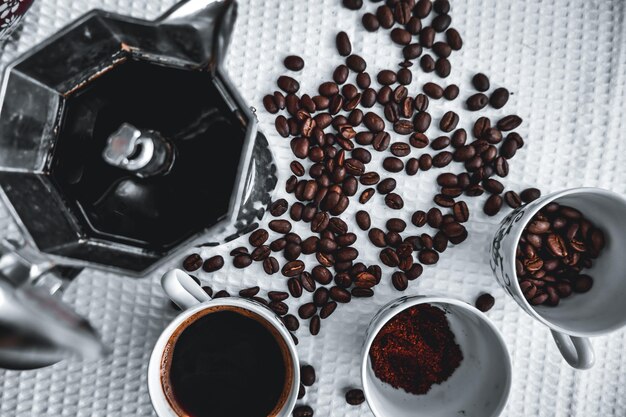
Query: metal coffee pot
[[122, 141]]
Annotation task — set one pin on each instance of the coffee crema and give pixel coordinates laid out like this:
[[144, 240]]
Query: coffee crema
[[226, 361]]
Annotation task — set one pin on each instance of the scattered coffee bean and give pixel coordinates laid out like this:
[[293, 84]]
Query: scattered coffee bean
[[294, 63], [303, 410], [355, 396], [512, 199], [499, 98], [363, 220], [530, 195], [433, 90], [484, 302], [480, 82], [492, 205], [193, 262]]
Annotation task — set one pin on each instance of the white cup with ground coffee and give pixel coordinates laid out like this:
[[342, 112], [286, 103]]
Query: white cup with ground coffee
[[222, 357], [561, 258]]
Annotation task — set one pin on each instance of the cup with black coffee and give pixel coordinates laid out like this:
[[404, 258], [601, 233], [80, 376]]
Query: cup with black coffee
[[222, 357]]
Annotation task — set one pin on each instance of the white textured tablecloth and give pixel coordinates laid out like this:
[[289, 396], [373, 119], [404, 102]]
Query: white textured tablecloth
[[565, 62]]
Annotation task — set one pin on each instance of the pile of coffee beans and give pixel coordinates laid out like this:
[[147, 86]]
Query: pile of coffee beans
[[333, 133], [557, 245]]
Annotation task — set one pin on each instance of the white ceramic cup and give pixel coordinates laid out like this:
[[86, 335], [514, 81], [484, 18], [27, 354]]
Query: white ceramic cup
[[188, 295], [597, 312], [479, 387]]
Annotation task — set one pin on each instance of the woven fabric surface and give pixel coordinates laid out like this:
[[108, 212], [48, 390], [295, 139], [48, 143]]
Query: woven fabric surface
[[565, 63]]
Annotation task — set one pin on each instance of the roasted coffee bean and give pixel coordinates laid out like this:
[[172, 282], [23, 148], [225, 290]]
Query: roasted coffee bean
[[422, 8], [339, 294], [393, 239], [396, 225], [321, 274], [294, 63], [241, 250], [280, 226], [344, 47], [460, 211], [459, 138], [434, 217], [370, 22], [381, 141], [314, 325], [347, 254], [279, 207], [346, 239], [403, 127], [442, 159], [193, 262], [412, 51], [307, 281], [340, 75], [406, 107], [421, 122], [366, 195], [362, 292], [288, 84], [419, 218], [480, 126], [442, 49], [449, 121], [369, 178], [350, 186], [328, 309], [425, 162], [385, 17], [293, 268], [530, 194], [411, 166], [320, 297], [427, 37], [443, 67], [221, 294], [480, 82], [492, 205], [400, 281], [242, 261], [384, 95], [269, 102], [320, 222], [386, 77], [292, 251], [282, 126], [270, 265], [501, 167], [556, 245], [373, 122], [377, 237], [325, 245], [509, 123], [394, 201], [499, 98], [420, 102], [393, 164], [451, 92], [401, 36], [260, 253], [368, 98], [493, 186], [441, 22], [399, 94], [454, 39], [405, 76], [493, 136], [352, 4], [389, 257], [484, 302], [291, 322], [477, 101], [433, 90], [249, 292], [356, 63], [447, 180], [306, 311], [428, 257]]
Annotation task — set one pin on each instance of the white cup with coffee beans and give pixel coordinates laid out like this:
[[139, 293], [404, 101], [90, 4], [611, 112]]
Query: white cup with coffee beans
[[561, 257]]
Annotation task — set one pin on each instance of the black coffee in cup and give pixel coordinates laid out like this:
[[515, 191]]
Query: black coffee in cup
[[226, 361]]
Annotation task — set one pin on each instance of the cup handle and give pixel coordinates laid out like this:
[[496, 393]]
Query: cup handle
[[577, 351], [182, 289]]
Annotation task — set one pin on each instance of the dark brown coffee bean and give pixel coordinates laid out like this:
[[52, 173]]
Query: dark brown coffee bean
[[421, 122], [306, 311], [399, 94], [385, 17], [242, 261], [387, 77], [320, 297], [394, 201], [340, 295], [389, 257], [352, 4], [193, 262], [363, 220], [282, 126], [307, 281], [493, 186], [428, 257], [391, 112], [280, 226], [373, 122], [406, 107], [241, 250], [499, 98], [427, 63], [405, 76], [370, 22], [442, 49], [270, 265], [292, 251], [344, 47], [393, 239], [433, 90], [356, 63], [293, 268], [582, 283], [291, 322], [260, 253], [396, 225], [459, 138], [460, 211], [393, 164], [412, 51], [530, 194], [419, 218], [320, 221], [366, 195], [427, 37], [314, 325], [480, 82], [401, 36], [556, 245], [484, 302], [326, 245], [249, 292], [340, 75], [279, 207], [400, 281], [369, 178], [377, 237], [512, 199], [270, 105], [451, 92], [441, 22], [288, 84], [509, 122], [412, 166], [421, 102], [403, 127], [321, 274], [384, 95], [454, 39], [422, 8], [442, 159], [449, 121], [221, 294], [294, 63], [443, 67], [477, 101], [328, 309], [492, 205]]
